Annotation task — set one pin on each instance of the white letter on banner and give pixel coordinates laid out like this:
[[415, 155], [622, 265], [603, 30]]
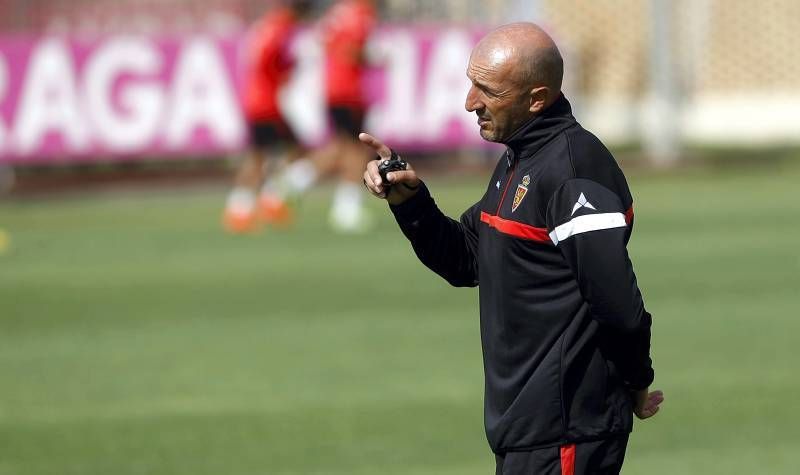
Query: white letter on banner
[[136, 122], [396, 115], [3, 88], [49, 101], [202, 95], [447, 84]]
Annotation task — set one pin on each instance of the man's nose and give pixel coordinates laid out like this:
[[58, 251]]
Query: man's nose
[[472, 103]]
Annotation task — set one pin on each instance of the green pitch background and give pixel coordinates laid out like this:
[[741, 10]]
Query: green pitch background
[[136, 338]]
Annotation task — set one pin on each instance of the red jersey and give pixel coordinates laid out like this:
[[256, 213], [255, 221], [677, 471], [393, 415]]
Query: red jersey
[[268, 64], [346, 28]]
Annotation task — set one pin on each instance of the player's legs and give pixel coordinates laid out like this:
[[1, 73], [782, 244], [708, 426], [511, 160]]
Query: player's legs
[[601, 457], [302, 173], [347, 211], [270, 142], [240, 206], [344, 156], [273, 208]]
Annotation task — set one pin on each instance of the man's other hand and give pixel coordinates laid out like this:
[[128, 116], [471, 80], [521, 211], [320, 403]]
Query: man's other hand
[[403, 184], [645, 403]]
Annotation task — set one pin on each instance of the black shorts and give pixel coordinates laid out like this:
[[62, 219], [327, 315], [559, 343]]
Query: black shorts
[[346, 120], [272, 133], [601, 457]]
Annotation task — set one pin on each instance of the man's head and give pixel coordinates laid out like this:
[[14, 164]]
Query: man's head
[[516, 73]]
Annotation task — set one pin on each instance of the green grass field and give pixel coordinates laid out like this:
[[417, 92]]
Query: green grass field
[[137, 338]]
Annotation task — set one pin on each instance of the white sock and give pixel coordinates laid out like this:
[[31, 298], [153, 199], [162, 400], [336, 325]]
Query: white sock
[[273, 169], [270, 188], [346, 211], [241, 200], [299, 176]]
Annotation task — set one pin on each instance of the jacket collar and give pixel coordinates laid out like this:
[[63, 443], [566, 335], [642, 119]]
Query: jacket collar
[[539, 130]]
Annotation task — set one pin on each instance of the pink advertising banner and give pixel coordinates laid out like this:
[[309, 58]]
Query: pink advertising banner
[[128, 97]]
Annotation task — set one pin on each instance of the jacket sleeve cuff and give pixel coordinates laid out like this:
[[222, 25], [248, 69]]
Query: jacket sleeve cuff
[[641, 374], [643, 380], [413, 209]]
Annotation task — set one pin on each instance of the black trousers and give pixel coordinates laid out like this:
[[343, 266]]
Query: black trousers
[[600, 457]]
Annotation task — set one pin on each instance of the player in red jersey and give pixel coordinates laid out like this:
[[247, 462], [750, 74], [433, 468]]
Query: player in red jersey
[[345, 30], [268, 66]]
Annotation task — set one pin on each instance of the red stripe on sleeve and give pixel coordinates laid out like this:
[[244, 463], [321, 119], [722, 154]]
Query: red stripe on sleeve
[[515, 228], [629, 215], [568, 459]]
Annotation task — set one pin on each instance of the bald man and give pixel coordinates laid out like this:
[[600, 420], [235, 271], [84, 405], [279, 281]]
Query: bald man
[[565, 335]]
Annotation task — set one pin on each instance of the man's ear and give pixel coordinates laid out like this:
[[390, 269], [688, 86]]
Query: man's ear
[[540, 99]]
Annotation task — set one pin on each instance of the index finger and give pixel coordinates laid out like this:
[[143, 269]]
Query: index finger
[[382, 150]]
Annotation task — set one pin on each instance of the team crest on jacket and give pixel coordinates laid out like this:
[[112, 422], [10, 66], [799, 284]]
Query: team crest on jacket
[[522, 190]]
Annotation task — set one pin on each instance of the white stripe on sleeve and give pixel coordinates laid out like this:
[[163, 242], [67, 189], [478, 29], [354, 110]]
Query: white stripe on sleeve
[[586, 223]]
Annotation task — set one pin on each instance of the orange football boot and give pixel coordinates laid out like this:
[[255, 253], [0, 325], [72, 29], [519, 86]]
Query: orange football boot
[[275, 211], [238, 222]]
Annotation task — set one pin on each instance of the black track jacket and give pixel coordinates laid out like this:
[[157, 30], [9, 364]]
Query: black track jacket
[[564, 331]]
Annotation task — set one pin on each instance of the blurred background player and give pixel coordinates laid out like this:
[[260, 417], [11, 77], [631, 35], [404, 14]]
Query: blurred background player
[[345, 30], [268, 64]]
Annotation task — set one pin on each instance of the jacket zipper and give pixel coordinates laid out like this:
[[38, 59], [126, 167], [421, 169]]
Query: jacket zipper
[[508, 183]]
